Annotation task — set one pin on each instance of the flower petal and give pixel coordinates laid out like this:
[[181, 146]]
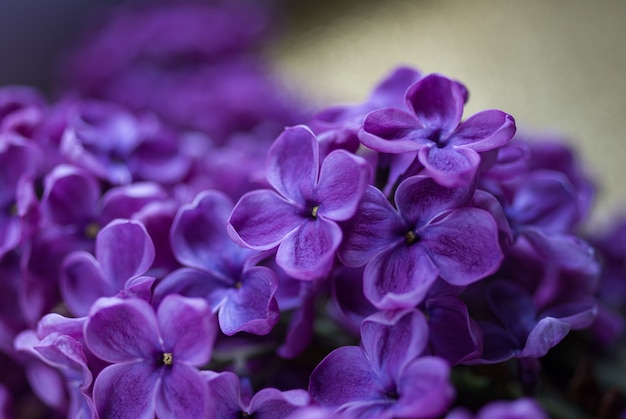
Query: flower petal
[[190, 282], [70, 195], [122, 330], [463, 245], [182, 393], [126, 391], [261, 220], [544, 336], [309, 252], [342, 377], [293, 164], [343, 179], [82, 282], [393, 131], [251, 308], [484, 131], [124, 249], [399, 277], [270, 403], [449, 166], [188, 328], [437, 102]]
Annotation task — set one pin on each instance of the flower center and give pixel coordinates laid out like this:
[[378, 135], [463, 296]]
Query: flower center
[[167, 358], [410, 237], [314, 211], [91, 230]]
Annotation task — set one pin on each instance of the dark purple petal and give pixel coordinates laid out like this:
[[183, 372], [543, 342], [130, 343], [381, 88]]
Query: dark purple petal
[[399, 277], [437, 102], [293, 164], [82, 282], [224, 390], [342, 377], [499, 344], [66, 354], [251, 307], [391, 339], [182, 393], [375, 226], [449, 166], [270, 403], [393, 131], [484, 131], [138, 287], [419, 199], [300, 328], [188, 328], [515, 409], [390, 91], [126, 391], [463, 245], [343, 178], [261, 220], [124, 249], [122, 330], [579, 315], [424, 388], [309, 252], [125, 201], [191, 283]]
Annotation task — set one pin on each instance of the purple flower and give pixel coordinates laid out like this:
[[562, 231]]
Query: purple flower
[[218, 269], [233, 401], [523, 408], [153, 355], [385, 377], [301, 216], [433, 132], [430, 234], [124, 252]]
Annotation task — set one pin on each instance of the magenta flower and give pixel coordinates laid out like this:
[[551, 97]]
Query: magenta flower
[[386, 377], [301, 216], [430, 234], [153, 355], [447, 148]]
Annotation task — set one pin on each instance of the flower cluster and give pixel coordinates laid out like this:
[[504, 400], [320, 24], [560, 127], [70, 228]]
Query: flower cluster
[[177, 239]]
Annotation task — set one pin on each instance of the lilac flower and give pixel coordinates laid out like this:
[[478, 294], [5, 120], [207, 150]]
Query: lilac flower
[[431, 234], [124, 252], [301, 216], [233, 401], [523, 408], [385, 377], [219, 270], [153, 355], [433, 132]]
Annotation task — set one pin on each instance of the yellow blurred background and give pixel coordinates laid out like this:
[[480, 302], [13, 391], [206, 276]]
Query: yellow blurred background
[[557, 66]]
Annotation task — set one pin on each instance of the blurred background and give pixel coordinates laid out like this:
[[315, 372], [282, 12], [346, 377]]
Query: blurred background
[[556, 66]]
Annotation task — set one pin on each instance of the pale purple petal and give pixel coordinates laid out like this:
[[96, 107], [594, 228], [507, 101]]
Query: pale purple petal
[[224, 390], [437, 102], [182, 393], [545, 335], [484, 131], [399, 277], [126, 391], [376, 226], [138, 287], [251, 307], [122, 330], [392, 339], [125, 201], [420, 198], [270, 403], [309, 252], [188, 328], [124, 249], [190, 283], [261, 219], [344, 376], [66, 354], [82, 282], [343, 179], [449, 166], [293, 164], [515, 409], [463, 245]]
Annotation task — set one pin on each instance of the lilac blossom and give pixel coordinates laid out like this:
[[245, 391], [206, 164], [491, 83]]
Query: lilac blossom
[[523, 408], [386, 377], [433, 133], [300, 217], [431, 234], [219, 270], [153, 356], [124, 253], [234, 400]]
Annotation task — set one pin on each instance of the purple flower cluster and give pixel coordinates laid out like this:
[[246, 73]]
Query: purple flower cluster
[[161, 256]]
